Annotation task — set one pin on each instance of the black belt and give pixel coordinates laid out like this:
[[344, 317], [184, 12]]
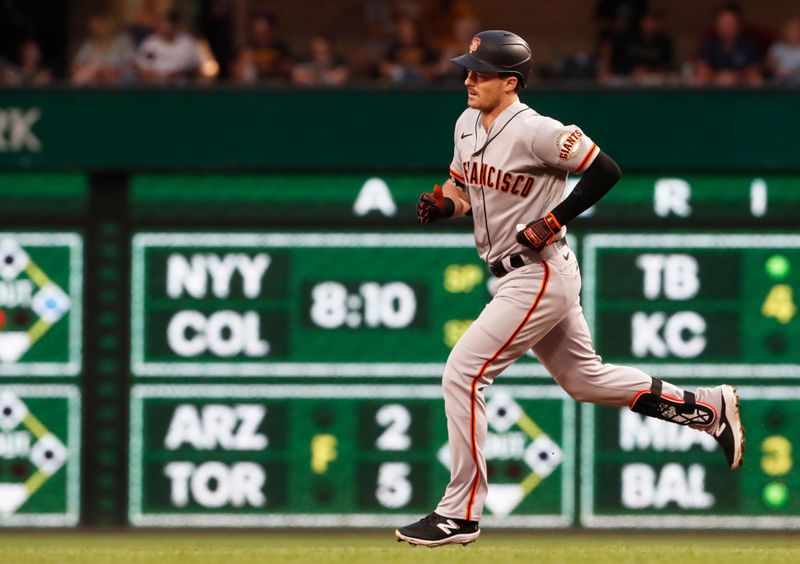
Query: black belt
[[499, 270]]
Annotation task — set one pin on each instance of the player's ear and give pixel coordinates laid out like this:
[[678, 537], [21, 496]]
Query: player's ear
[[511, 83]]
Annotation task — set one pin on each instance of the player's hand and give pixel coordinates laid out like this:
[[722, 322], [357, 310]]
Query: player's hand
[[434, 206], [540, 233]]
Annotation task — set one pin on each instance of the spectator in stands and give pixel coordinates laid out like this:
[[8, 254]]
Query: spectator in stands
[[644, 56], [762, 37], [264, 58], [105, 57], [8, 72], [29, 69], [322, 67], [168, 55], [784, 56], [728, 57], [409, 59]]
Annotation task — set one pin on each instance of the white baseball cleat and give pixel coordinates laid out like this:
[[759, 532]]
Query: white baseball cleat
[[730, 433]]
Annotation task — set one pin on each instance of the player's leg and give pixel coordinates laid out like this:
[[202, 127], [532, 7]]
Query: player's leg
[[528, 302], [568, 354]]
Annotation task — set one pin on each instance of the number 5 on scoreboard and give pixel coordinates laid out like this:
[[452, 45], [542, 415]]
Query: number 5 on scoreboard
[[394, 489]]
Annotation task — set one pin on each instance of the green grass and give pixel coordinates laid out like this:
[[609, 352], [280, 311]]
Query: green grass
[[234, 547]]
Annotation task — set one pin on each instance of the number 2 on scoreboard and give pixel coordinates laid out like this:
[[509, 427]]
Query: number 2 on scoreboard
[[394, 488]]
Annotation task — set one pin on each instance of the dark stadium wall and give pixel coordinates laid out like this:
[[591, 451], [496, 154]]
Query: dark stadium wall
[[665, 130]]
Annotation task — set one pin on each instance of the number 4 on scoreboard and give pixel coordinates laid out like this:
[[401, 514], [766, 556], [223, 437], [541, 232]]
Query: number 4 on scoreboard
[[779, 304]]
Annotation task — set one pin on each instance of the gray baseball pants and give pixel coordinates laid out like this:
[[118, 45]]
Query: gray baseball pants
[[536, 307]]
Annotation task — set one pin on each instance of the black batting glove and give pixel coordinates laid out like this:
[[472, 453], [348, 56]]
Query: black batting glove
[[540, 233], [434, 206]]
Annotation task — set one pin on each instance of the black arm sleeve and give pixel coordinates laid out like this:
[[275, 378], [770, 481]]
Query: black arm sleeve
[[595, 183]]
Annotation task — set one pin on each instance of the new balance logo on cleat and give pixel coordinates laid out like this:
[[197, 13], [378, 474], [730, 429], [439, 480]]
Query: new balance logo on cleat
[[448, 527], [435, 530]]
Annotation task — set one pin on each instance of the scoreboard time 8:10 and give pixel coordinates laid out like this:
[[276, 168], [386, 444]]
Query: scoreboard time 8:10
[[301, 304]]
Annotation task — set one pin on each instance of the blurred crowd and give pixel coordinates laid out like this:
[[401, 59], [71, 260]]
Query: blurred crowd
[[633, 47], [732, 51]]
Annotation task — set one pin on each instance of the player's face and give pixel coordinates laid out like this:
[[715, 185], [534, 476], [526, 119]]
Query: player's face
[[484, 90]]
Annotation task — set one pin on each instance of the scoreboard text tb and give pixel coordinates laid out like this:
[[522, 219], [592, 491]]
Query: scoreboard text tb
[[711, 305]]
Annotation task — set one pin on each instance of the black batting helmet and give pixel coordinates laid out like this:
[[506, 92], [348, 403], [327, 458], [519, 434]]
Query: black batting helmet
[[496, 50]]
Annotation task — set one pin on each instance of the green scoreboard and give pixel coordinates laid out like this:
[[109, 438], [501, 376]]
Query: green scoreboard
[[337, 455], [208, 355]]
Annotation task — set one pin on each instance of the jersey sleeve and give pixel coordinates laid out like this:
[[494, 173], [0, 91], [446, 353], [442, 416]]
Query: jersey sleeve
[[565, 147]]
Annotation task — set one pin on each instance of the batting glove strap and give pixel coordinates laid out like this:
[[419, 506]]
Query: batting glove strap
[[540, 233]]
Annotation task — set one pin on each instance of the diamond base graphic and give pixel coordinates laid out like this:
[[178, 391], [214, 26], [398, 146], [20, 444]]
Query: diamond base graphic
[[48, 455], [502, 499], [540, 453], [11, 497], [40, 289], [13, 344]]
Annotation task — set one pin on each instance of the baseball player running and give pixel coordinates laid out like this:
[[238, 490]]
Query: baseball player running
[[509, 169]]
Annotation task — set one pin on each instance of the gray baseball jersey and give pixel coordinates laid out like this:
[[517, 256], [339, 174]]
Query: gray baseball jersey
[[515, 173]]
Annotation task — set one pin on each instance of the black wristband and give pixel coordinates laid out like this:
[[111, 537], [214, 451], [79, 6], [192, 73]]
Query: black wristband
[[448, 207]]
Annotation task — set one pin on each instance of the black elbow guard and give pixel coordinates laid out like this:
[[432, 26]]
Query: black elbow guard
[[606, 168]]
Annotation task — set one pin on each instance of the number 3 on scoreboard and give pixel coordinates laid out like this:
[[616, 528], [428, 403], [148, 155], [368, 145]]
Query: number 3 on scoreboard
[[777, 455]]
